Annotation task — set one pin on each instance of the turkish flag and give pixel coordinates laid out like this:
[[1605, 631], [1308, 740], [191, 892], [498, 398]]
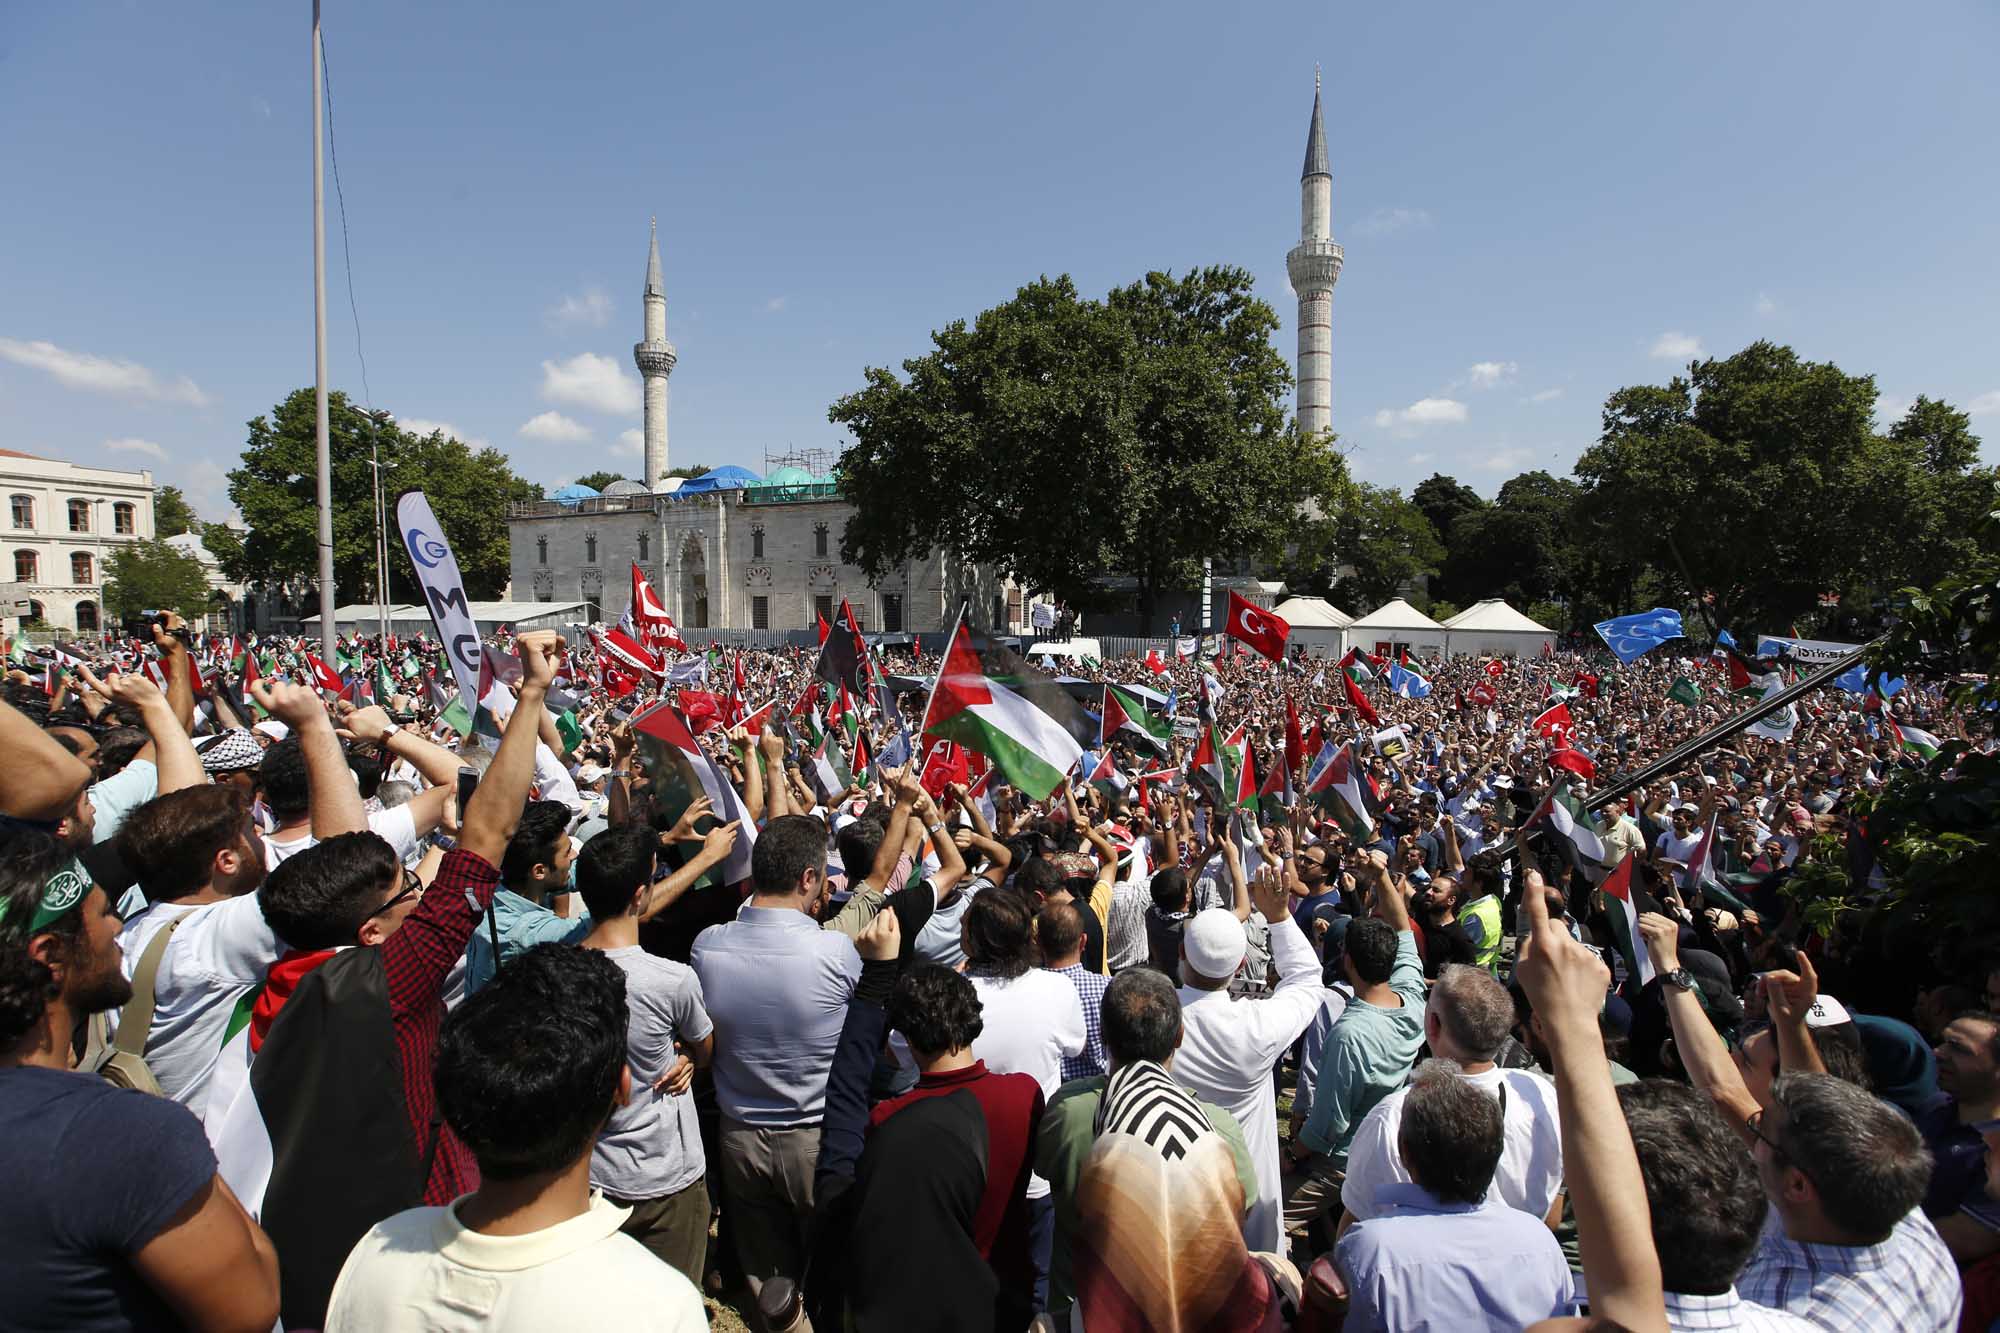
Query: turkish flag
[[1556, 724], [1496, 668], [1257, 627], [1576, 761], [1586, 682], [1295, 741], [946, 764], [1155, 663], [701, 708], [1482, 693]]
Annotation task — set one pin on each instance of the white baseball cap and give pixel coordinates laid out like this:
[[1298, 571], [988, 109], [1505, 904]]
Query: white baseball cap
[[1214, 943]]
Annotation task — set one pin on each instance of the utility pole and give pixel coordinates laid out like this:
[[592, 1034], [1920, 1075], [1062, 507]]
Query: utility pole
[[327, 631]]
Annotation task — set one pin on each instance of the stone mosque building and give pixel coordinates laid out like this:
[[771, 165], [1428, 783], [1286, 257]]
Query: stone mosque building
[[752, 558]]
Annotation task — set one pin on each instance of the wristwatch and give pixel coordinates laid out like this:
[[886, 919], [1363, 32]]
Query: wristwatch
[[1680, 979], [389, 729]]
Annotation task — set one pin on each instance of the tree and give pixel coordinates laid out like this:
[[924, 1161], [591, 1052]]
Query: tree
[[1443, 499], [153, 575], [690, 471], [274, 490], [597, 481], [1521, 546], [1758, 480], [1062, 440], [1387, 544], [226, 545], [172, 514]]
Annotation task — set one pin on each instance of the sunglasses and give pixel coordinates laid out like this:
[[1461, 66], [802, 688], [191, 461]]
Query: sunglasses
[[412, 888]]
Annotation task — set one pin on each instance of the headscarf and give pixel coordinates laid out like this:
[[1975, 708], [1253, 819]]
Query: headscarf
[[1159, 1240]]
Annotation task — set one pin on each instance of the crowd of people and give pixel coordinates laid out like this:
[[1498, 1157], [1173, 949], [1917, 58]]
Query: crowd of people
[[327, 1004]]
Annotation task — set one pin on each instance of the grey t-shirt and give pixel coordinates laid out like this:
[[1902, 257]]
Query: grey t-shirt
[[652, 1145]]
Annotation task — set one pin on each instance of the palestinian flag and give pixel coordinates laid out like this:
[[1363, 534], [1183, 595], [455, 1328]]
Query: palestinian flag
[[1623, 914], [1576, 832], [250, 676], [1914, 739], [1275, 795], [1356, 665], [1205, 765], [1334, 784], [1123, 713], [1246, 786], [862, 765], [1359, 701], [662, 732], [1107, 776], [1684, 691], [1032, 748], [1700, 861], [309, 1129], [980, 793], [829, 767], [843, 657]]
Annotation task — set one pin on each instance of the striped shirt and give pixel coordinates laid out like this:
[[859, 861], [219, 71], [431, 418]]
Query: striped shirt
[[1090, 988], [1907, 1283], [1688, 1313]]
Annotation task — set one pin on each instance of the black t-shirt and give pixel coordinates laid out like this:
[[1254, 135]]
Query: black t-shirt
[[1446, 944], [93, 1174]]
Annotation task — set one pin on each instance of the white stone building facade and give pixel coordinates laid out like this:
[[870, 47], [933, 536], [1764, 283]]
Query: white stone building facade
[[63, 522]]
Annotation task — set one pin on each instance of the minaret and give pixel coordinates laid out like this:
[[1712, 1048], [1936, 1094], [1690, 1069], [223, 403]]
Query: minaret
[[655, 359], [1314, 266]]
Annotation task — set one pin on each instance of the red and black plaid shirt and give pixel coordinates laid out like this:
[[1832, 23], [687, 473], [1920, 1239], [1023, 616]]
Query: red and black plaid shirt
[[415, 962]]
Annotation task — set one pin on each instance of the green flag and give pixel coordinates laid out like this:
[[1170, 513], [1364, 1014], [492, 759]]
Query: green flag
[[570, 730], [384, 688], [1684, 691], [409, 667]]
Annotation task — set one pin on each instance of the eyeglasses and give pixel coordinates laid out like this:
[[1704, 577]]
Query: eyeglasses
[[412, 888], [1756, 1124]]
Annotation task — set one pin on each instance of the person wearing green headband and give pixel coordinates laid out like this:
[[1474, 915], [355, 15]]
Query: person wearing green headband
[[116, 1217]]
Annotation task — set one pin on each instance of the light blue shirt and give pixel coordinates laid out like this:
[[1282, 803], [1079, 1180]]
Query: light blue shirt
[[119, 795], [1907, 1284], [1367, 1056], [777, 988], [1423, 1264], [522, 925]]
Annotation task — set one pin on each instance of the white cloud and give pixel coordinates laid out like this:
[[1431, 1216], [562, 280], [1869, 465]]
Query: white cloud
[[1764, 305], [555, 428], [775, 304], [1986, 404], [1544, 396], [631, 444], [1676, 347], [100, 374], [590, 309], [423, 427], [206, 485], [131, 444], [1489, 374], [590, 381], [1504, 460], [1388, 221], [1423, 412]]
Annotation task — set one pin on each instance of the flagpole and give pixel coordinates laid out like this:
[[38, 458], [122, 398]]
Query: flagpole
[[324, 485], [938, 679]]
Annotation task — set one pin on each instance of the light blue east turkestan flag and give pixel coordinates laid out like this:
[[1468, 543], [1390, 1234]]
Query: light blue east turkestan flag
[[1407, 684], [1855, 681], [1629, 637]]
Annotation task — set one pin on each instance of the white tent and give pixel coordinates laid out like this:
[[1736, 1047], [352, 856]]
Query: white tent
[[1493, 628], [1394, 626], [1316, 624]]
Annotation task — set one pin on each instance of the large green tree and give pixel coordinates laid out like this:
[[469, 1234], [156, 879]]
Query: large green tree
[[1521, 547], [1385, 544], [152, 575], [1758, 480], [274, 490], [597, 481], [172, 514], [1062, 439]]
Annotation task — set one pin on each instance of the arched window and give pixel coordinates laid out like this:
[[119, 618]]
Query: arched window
[[86, 617], [590, 549], [819, 539], [24, 511], [645, 542], [27, 567], [541, 550], [79, 567], [124, 519], [756, 543], [79, 516]]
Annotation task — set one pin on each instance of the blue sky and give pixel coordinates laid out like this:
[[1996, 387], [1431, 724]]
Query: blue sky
[[1539, 204]]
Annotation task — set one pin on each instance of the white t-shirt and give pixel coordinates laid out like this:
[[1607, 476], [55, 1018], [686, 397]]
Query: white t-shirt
[[396, 827], [1678, 849], [424, 1269], [1530, 1173], [219, 955], [652, 1145], [1030, 1023]]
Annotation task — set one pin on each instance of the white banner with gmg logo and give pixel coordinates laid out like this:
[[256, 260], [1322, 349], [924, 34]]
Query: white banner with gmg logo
[[444, 591]]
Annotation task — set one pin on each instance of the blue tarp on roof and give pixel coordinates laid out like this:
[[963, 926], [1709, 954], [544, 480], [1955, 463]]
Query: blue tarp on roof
[[729, 478]]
